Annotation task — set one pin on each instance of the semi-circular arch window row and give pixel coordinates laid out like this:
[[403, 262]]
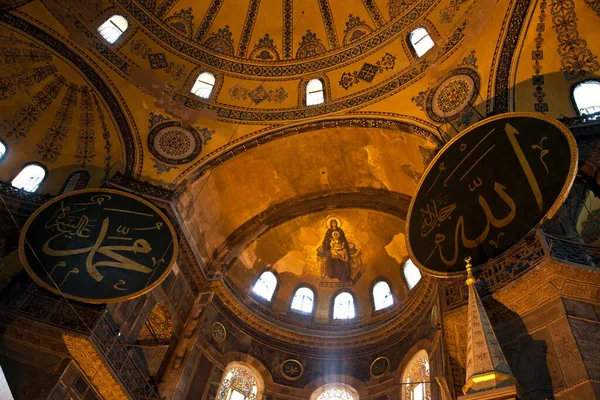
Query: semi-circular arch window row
[[343, 306], [32, 176]]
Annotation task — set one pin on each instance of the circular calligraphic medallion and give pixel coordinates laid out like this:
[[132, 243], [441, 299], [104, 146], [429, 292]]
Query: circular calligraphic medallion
[[379, 367], [487, 189], [218, 331], [174, 144], [292, 369], [98, 246]]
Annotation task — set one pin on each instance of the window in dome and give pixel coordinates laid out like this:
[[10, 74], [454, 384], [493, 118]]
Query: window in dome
[[421, 41], [2, 150], [416, 378], [265, 286], [239, 382], [30, 177], [343, 306], [113, 28], [586, 96], [76, 181], [303, 300], [315, 93], [411, 273], [335, 391], [204, 85], [382, 296]]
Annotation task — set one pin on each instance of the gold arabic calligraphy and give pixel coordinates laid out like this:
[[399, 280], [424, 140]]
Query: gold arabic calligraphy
[[438, 211]]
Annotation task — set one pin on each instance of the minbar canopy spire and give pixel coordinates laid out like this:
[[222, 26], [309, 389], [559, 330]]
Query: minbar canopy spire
[[488, 374]]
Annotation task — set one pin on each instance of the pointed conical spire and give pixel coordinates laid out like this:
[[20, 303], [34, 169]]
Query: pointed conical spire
[[487, 369]]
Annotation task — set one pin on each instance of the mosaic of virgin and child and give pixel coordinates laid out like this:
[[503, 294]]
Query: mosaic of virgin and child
[[338, 252]]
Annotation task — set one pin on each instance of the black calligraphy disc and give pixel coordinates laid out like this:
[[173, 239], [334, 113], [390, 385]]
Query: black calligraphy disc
[[487, 189], [98, 246], [292, 369], [379, 367]]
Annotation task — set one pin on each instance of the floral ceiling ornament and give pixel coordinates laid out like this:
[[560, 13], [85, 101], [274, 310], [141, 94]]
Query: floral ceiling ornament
[[577, 59], [447, 13], [356, 28], [221, 42], [310, 46], [182, 21], [368, 71], [265, 49]]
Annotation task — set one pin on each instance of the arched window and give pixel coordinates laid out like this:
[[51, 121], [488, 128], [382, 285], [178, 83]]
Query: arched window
[[77, 180], [113, 28], [382, 296], [265, 286], [421, 41], [30, 178], [303, 300], [335, 391], [415, 378], [315, 93], [204, 85], [240, 382], [2, 150], [587, 97], [343, 306], [411, 273]]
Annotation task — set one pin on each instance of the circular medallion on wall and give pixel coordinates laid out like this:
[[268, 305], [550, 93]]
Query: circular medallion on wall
[[218, 331], [379, 367], [292, 369], [172, 143], [459, 90]]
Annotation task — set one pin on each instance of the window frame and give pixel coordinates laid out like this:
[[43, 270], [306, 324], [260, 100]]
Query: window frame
[[408, 288], [303, 91], [195, 80], [406, 369], [106, 16], [301, 314], [332, 307], [306, 93], [3, 156], [258, 297], [42, 182], [64, 185], [372, 295], [574, 86]]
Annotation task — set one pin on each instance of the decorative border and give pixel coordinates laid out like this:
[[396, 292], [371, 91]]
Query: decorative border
[[269, 69], [33, 275], [209, 17], [288, 29], [248, 27], [555, 207], [329, 23], [374, 12], [86, 69]]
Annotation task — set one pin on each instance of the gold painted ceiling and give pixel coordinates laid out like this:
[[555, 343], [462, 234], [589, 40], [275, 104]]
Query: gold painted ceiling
[[252, 166]]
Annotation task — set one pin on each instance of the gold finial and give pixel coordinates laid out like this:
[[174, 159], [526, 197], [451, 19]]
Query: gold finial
[[470, 278]]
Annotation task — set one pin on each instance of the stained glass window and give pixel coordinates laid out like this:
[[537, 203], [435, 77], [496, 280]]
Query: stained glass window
[[239, 383], [30, 178], [113, 28], [335, 391], [343, 306], [421, 41], [416, 378], [265, 286], [303, 300], [204, 85], [382, 296], [314, 92]]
